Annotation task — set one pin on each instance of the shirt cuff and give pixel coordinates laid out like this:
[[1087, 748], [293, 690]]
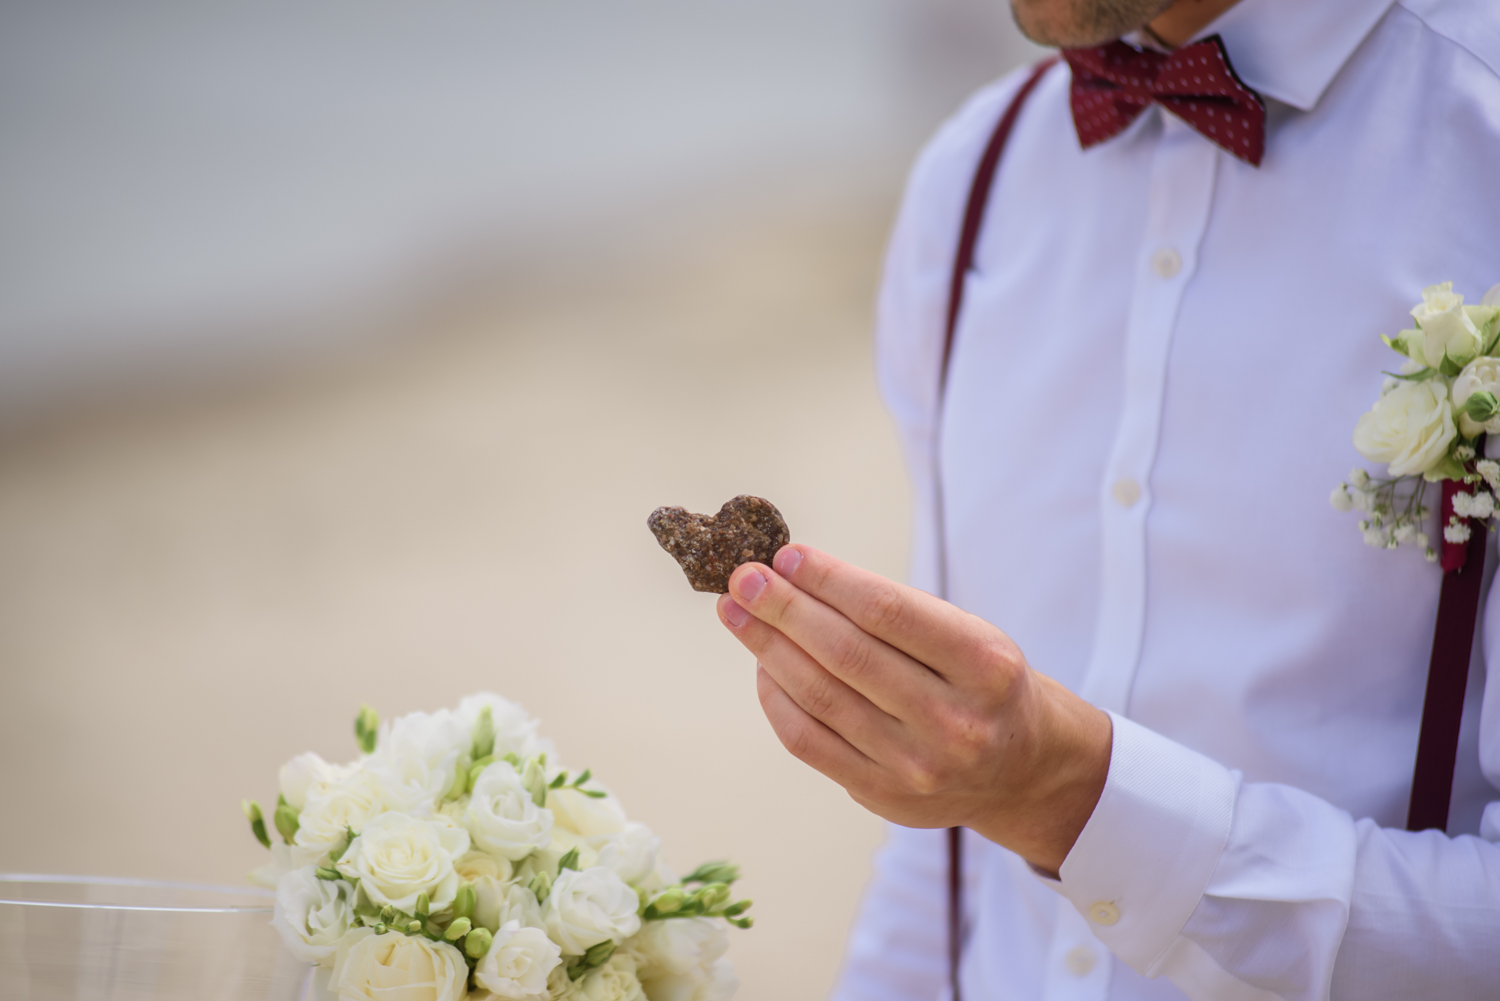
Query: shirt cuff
[[1144, 859]]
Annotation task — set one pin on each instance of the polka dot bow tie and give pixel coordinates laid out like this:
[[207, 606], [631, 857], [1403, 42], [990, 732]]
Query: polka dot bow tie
[[1114, 83]]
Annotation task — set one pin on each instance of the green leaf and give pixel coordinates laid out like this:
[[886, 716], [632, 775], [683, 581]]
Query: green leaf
[[588, 773], [326, 873], [568, 861], [560, 781]]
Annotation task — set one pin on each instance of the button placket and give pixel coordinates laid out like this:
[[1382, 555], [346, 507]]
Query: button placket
[[1181, 191]]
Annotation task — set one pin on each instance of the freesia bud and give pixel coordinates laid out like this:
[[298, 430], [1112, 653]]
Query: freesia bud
[[484, 734], [424, 906], [714, 872], [412, 927], [534, 779], [541, 885], [670, 901], [477, 943], [714, 895], [464, 901], [366, 729], [257, 821], [457, 930], [287, 823]]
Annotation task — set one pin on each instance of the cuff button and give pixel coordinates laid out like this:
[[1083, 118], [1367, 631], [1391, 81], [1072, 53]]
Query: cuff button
[[1102, 912]]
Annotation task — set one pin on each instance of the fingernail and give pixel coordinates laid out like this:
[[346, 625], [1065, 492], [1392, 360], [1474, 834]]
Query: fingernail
[[787, 560], [750, 585], [734, 614]]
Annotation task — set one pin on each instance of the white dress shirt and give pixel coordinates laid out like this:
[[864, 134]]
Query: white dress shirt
[[1160, 362]]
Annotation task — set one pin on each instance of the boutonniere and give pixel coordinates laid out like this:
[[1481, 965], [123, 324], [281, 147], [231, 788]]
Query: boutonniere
[[1428, 426]]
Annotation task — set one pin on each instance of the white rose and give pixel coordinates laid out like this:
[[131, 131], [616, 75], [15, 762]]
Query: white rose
[[630, 853], [497, 904], [502, 817], [312, 914], [1410, 428], [588, 816], [614, 981], [393, 967], [518, 963], [476, 865], [352, 802], [1481, 374], [588, 907], [396, 858], [678, 946], [717, 982], [308, 775], [1447, 330], [419, 759], [515, 730]]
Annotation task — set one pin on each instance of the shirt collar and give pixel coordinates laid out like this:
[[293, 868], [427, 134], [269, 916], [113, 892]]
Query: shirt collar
[[1290, 50]]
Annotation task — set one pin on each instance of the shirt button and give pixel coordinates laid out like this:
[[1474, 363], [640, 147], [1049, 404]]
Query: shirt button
[[1080, 960], [1126, 492], [1166, 262], [1102, 912]]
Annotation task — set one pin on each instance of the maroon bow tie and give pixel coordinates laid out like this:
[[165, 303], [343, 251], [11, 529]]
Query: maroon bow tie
[[1114, 83]]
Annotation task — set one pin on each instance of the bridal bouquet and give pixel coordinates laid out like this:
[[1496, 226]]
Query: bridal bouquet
[[458, 859], [1426, 425]]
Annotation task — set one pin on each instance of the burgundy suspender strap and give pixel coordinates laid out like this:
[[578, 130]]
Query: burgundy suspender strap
[[1447, 677], [979, 196]]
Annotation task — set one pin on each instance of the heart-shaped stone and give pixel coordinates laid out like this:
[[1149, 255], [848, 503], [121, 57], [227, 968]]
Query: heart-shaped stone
[[746, 530]]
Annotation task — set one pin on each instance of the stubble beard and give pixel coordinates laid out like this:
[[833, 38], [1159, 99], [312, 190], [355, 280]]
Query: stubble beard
[[1079, 23]]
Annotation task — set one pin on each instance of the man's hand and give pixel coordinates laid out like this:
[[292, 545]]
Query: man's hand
[[927, 715]]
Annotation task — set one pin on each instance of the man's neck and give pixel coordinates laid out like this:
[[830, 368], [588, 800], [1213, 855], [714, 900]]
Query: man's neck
[[1184, 19]]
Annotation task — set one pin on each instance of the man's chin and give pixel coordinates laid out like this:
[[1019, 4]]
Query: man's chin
[[1076, 24]]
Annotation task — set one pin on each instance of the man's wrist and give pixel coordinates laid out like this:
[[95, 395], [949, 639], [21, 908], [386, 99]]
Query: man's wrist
[[1072, 767]]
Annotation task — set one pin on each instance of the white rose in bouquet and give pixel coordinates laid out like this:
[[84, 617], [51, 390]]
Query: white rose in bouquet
[[312, 914], [588, 907], [677, 946], [419, 760], [395, 967], [614, 981], [326, 818], [1410, 427], [630, 853], [477, 865], [497, 904], [415, 871], [589, 816], [679, 960], [308, 775], [518, 963], [502, 817], [1447, 329], [397, 858]]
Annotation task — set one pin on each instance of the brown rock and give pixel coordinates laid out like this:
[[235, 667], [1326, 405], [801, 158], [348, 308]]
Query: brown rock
[[746, 530]]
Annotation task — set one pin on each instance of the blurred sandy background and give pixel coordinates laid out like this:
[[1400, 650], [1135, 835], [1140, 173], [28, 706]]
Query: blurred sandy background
[[344, 349]]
